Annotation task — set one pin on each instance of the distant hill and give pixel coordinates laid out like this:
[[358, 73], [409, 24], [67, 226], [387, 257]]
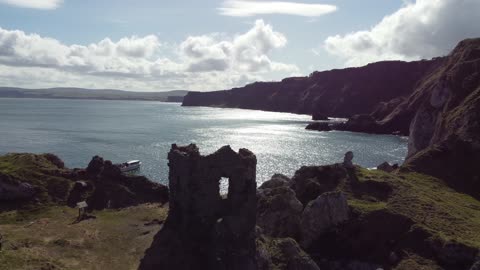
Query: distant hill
[[102, 94]]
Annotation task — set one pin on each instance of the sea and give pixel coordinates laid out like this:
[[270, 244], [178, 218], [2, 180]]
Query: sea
[[77, 130]]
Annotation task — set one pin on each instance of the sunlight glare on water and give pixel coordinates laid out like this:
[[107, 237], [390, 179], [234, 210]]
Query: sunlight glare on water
[[76, 130]]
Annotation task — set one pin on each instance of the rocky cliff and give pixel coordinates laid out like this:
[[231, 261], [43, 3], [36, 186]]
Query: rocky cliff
[[445, 130], [335, 93]]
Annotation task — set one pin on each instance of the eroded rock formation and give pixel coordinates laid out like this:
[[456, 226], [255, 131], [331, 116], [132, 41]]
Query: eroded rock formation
[[112, 189], [445, 132], [279, 211], [205, 230], [321, 214]]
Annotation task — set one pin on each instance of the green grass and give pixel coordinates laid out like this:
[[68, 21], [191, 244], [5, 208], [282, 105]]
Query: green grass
[[116, 239], [417, 263], [426, 200], [38, 171]]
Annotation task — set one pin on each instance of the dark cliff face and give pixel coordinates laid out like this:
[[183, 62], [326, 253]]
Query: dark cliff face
[[335, 93], [445, 130]]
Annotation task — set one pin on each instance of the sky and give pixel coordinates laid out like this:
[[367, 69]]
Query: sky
[[151, 45]]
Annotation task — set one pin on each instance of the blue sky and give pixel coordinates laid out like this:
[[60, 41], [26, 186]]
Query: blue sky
[[212, 44]]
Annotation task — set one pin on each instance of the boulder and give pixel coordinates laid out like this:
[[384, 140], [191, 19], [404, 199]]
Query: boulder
[[454, 253], [112, 189], [282, 253], [348, 160], [278, 211], [321, 214], [319, 126], [386, 167], [359, 123], [55, 160], [95, 166], [311, 181], [277, 180], [11, 190]]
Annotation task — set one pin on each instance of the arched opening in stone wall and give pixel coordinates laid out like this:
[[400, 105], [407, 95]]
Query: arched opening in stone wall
[[223, 185]]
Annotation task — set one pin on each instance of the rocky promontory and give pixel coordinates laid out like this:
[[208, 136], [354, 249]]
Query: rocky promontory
[[30, 180], [336, 93], [444, 102], [444, 136]]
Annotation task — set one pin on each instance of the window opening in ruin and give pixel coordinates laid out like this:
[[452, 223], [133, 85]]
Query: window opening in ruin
[[223, 184]]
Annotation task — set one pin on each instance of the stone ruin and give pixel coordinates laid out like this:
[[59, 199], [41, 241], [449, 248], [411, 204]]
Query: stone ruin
[[205, 230]]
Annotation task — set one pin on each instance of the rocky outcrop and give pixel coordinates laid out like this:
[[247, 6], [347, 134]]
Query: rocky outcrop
[[205, 230], [452, 253], [277, 180], [445, 132], [29, 179], [112, 189], [348, 160], [11, 190], [278, 210], [319, 126], [325, 212], [386, 167], [309, 182], [282, 253], [43, 179], [336, 93]]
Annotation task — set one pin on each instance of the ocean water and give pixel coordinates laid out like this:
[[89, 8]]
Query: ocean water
[[76, 130]]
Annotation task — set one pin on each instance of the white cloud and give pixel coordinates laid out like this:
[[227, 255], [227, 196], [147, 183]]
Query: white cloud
[[247, 52], [420, 29], [36, 4], [205, 62], [246, 8]]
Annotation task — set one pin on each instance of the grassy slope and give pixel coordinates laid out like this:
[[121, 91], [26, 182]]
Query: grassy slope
[[38, 171], [428, 202], [48, 239]]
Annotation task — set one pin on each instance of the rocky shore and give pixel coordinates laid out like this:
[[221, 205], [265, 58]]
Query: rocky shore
[[29, 180]]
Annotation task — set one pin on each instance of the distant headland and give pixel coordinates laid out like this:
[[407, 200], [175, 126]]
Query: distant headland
[[97, 94]]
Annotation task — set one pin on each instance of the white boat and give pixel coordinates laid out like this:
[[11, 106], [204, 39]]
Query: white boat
[[130, 165]]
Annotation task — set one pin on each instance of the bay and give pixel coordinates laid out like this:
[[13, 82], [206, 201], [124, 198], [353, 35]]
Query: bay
[[76, 130]]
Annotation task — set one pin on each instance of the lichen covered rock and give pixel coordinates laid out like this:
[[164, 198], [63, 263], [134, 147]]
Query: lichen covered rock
[[278, 211], [321, 214]]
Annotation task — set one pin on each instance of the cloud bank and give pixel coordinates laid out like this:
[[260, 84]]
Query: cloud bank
[[420, 29], [205, 62], [242, 8], [35, 4]]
